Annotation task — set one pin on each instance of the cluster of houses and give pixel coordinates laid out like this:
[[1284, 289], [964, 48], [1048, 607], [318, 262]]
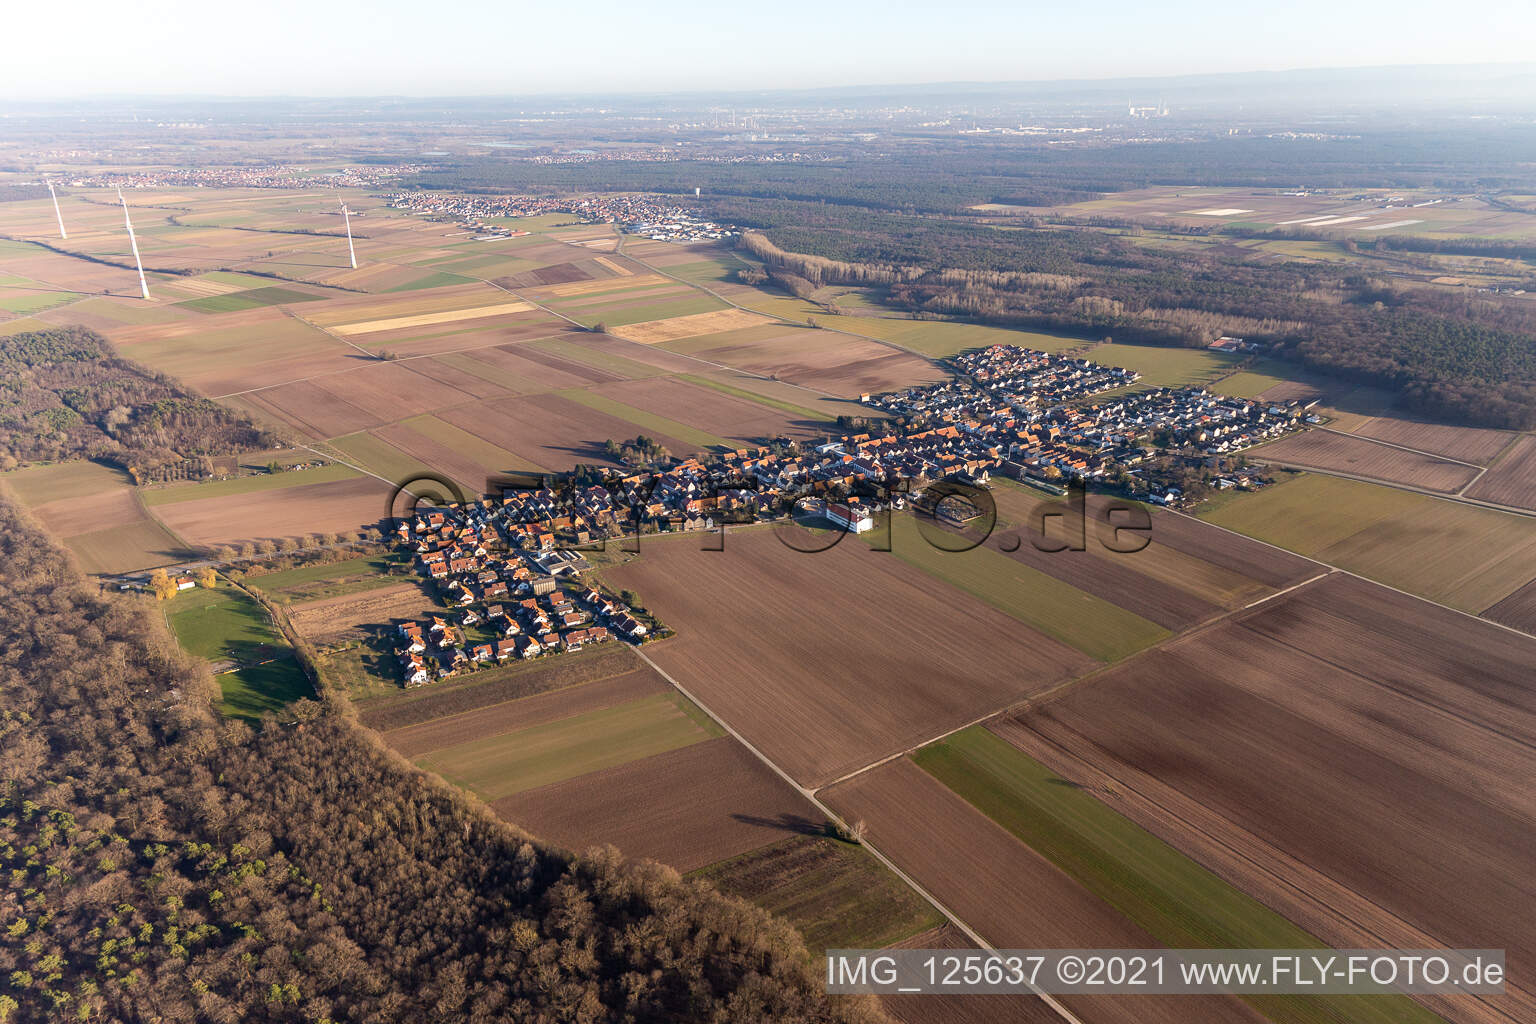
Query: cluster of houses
[[509, 563], [1023, 408], [512, 600], [636, 215]]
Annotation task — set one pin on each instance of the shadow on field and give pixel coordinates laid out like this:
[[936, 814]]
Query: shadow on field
[[796, 823]]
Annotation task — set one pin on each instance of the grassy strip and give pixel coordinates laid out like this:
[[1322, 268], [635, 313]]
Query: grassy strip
[[1175, 900], [248, 484], [835, 893], [1094, 626], [772, 403]]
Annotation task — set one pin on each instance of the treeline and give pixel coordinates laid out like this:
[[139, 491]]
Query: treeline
[[162, 864], [66, 394], [1467, 358], [945, 174]]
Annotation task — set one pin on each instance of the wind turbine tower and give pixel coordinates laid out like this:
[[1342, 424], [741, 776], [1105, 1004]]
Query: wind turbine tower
[[143, 284], [62, 233], [351, 252]]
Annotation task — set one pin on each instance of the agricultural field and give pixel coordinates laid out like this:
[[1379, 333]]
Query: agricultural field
[[502, 764], [1151, 884], [1425, 712], [1456, 554], [1327, 451], [1463, 444], [330, 579], [96, 511], [1166, 367], [838, 895], [305, 509], [827, 361], [1380, 211], [1015, 897], [356, 611], [846, 690], [1511, 480]]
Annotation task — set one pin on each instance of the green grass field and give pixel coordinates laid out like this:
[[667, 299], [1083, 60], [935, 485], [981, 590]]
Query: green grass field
[[379, 456], [223, 624], [250, 692], [311, 582], [835, 893], [174, 493], [602, 360], [1165, 367], [1094, 626], [1175, 900], [1455, 554], [37, 485], [940, 338], [438, 279], [498, 766], [622, 313], [248, 299], [26, 302], [1254, 381], [648, 422]]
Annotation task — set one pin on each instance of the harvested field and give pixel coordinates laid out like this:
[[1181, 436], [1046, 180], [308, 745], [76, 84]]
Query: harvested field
[[835, 893], [824, 360], [499, 765], [289, 512], [601, 285], [962, 1009], [851, 687], [128, 548], [1231, 745], [470, 467], [483, 689], [1013, 896], [1464, 444], [236, 352], [1517, 610], [551, 431], [1263, 562], [709, 410], [526, 712], [654, 331], [1450, 552], [1344, 453], [333, 618], [686, 808], [70, 516], [1512, 479]]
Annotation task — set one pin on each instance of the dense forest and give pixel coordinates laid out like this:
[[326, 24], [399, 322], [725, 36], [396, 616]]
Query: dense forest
[[65, 393], [946, 174], [1467, 358], [165, 865]]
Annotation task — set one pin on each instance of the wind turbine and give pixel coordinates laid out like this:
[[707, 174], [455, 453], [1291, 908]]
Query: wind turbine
[[143, 284], [62, 233], [347, 217]]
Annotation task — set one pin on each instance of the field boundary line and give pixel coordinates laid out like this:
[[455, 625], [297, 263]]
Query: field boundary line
[[1400, 447], [1365, 579], [810, 796]]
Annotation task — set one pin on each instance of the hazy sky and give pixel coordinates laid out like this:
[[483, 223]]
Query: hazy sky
[[460, 47]]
